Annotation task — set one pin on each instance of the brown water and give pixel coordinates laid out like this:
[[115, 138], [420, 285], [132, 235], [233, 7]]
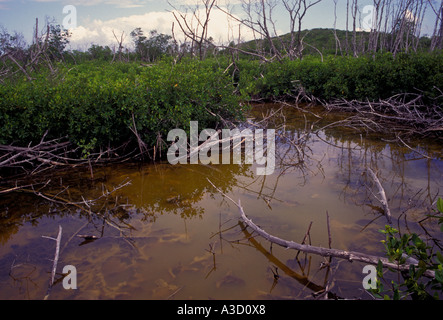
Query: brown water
[[171, 235]]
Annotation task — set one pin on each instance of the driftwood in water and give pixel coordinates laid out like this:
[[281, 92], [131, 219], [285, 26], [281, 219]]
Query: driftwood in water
[[383, 200], [408, 114], [33, 159], [324, 252], [55, 261]]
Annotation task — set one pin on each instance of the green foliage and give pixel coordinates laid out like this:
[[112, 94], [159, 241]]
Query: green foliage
[[152, 48], [58, 40], [12, 43], [100, 53], [415, 284], [93, 104], [367, 77]]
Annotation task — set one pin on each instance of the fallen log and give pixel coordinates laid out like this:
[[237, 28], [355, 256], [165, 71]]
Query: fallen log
[[325, 252], [409, 114], [381, 192], [55, 261]]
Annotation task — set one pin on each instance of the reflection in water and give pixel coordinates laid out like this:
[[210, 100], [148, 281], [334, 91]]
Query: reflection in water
[[170, 235]]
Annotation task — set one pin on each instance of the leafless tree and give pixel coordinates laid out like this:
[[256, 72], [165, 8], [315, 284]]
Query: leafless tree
[[297, 10], [395, 26], [120, 45], [437, 36], [13, 49], [354, 11], [259, 18], [406, 24], [195, 25], [337, 40]]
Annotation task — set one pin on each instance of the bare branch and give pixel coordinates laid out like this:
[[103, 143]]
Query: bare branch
[[324, 252], [56, 257], [381, 192]]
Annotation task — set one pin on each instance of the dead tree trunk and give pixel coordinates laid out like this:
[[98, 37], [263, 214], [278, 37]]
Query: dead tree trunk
[[321, 251], [198, 35], [326, 252], [437, 36]]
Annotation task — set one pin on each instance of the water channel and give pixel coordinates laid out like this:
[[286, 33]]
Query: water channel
[[170, 234]]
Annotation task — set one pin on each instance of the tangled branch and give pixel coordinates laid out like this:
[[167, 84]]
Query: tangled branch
[[321, 251], [406, 113]]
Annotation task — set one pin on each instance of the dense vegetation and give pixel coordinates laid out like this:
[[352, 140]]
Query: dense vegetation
[[330, 42], [93, 103], [96, 104], [362, 78], [101, 99], [416, 283]]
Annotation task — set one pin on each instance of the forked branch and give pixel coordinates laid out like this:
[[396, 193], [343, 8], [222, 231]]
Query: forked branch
[[324, 252]]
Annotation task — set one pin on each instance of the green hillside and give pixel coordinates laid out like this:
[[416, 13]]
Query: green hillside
[[325, 41]]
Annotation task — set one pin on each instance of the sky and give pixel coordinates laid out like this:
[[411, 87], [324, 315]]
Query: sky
[[96, 21]]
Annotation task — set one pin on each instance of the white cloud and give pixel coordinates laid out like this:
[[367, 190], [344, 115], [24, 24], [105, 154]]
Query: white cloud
[[221, 28], [409, 16], [102, 32]]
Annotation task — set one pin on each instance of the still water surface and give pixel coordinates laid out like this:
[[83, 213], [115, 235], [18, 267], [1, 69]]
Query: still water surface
[[171, 235]]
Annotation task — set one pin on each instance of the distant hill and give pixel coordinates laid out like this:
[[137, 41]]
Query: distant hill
[[323, 40]]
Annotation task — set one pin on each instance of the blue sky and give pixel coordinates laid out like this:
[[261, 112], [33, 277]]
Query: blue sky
[[97, 19]]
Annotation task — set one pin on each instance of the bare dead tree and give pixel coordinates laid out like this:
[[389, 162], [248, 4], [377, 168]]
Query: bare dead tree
[[377, 15], [419, 14], [396, 26], [406, 24], [347, 28], [258, 36], [195, 26], [437, 36], [337, 40], [260, 20], [383, 17], [322, 251], [354, 10], [180, 49], [401, 25], [36, 54], [297, 10], [120, 45]]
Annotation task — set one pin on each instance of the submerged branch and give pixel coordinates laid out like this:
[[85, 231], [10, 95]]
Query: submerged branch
[[407, 113], [324, 252], [56, 257], [56, 153], [381, 192]]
